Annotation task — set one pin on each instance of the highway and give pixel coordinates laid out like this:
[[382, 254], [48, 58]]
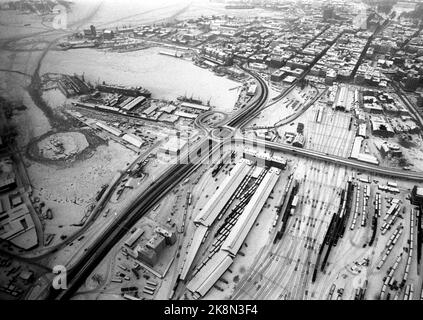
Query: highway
[[286, 148], [245, 115]]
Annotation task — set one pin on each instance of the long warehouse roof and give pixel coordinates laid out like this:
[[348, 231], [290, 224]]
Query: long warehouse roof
[[199, 234], [211, 272], [131, 105], [242, 227], [195, 106], [133, 139], [222, 195], [110, 129]]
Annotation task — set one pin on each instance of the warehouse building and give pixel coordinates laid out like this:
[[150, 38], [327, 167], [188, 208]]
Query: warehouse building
[[221, 261], [222, 195], [199, 234], [109, 129], [362, 128], [134, 104], [134, 237], [186, 115], [150, 110], [237, 236], [17, 226], [212, 271], [133, 139], [342, 100], [195, 106], [299, 141]]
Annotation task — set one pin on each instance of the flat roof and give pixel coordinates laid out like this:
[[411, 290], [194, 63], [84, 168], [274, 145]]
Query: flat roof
[[186, 114], [218, 200], [134, 103], [133, 139], [211, 272], [195, 106], [110, 129], [237, 236]]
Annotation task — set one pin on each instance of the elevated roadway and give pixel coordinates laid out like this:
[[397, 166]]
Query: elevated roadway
[[355, 164]]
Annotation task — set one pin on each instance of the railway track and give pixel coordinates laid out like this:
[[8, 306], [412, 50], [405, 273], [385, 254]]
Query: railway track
[[286, 273]]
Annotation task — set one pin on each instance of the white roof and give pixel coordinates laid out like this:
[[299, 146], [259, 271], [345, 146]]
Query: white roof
[[218, 200], [134, 103], [198, 237], [110, 129], [356, 147], [133, 139], [195, 106], [237, 236], [186, 114], [211, 272]]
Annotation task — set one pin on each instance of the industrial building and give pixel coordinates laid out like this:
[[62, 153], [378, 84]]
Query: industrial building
[[134, 104], [199, 234], [342, 99], [252, 90], [149, 251], [381, 127], [187, 115], [133, 139], [16, 222], [361, 132], [134, 237], [109, 129], [212, 271], [357, 155], [195, 106], [299, 141], [222, 195]]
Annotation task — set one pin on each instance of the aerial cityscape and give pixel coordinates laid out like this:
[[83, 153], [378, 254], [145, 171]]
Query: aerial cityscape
[[211, 150]]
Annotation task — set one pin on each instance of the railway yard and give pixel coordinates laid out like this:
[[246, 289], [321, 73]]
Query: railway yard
[[294, 250], [161, 161]]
